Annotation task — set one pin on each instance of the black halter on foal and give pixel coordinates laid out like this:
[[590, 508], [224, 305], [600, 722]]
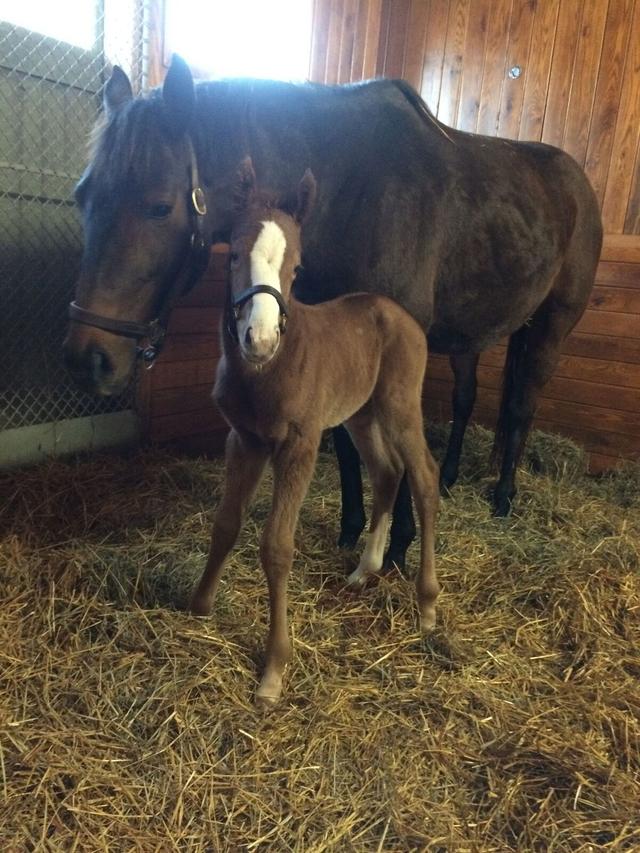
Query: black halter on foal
[[245, 296], [197, 260]]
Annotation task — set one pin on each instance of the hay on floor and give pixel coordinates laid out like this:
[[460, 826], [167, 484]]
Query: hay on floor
[[126, 724]]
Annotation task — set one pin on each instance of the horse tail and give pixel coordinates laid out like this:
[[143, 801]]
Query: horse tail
[[512, 378]]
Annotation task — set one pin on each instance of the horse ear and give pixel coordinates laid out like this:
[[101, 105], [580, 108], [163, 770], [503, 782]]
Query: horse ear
[[245, 184], [179, 95], [117, 91], [306, 196]]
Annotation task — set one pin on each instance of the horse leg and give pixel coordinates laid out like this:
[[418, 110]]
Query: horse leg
[[244, 464], [403, 527], [353, 519], [464, 396], [532, 356], [423, 477], [385, 472], [292, 469]]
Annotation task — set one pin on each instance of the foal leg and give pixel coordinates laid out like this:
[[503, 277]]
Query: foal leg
[[292, 469], [423, 477], [245, 462], [353, 519], [385, 472], [464, 396]]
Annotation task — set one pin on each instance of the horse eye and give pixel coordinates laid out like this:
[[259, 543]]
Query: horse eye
[[297, 270], [234, 257], [158, 211]]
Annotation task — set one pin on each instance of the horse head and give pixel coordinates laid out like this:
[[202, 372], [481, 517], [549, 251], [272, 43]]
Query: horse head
[[264, 258], [144, 220]]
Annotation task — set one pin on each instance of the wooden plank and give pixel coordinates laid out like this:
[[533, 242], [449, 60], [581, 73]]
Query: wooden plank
[[319, 40], [182, 374], [396, 38], [612, 274], [415, 42], [495, 67], [536, 74], [385, 26], [632, 218], [190, 347], [333, 42], [610, 323], [453, 58], [473, 65], [347, 39], [607, 94], [626, 137], [600, 462], [170, 401], [622, 299], [621, 247], [434, 53], [512, 95], [605, 347], [367, 34], [169, 427], [585, 74], [564, 50], [193, 320]]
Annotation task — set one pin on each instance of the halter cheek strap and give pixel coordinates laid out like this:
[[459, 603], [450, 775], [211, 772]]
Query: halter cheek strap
[[197, 260], [237, 303]]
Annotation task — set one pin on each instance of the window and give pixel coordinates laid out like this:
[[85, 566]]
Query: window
[[242, 38], [74, 24]]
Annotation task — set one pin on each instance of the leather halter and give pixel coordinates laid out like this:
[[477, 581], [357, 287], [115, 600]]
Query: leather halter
[[245, 296], [154, 331]]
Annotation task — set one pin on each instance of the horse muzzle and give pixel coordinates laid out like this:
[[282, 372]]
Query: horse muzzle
[[94, 369]]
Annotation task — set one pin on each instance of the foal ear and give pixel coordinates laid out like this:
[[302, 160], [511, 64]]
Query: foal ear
[[117, 91], [245, 184], [179, 95], [306, 196]]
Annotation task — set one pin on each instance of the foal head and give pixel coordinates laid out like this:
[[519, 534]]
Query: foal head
[[265, 250]]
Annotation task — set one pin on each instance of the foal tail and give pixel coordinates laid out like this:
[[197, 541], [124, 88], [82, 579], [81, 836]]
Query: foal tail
[[512, 379]]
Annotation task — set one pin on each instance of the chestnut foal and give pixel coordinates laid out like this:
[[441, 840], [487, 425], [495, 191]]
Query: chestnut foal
[[359, 359]]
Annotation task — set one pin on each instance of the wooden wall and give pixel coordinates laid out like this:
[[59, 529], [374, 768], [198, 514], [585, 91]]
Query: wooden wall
[[579, 88]]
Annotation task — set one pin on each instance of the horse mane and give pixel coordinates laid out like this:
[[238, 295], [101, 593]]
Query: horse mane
[[123, 148]]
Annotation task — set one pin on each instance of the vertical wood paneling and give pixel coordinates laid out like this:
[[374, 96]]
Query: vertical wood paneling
[[366, 37], [494, 67], [562, 63], [319, 39], [608, 91], [415, 46], [536, 74], [434, 53], [627, 137], [453, 60], [333, 42], [473, 65], [396, 40], [585, 74], [512, 98]]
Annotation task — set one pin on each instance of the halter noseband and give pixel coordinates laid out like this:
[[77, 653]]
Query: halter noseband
[[197, 261], [245, 296]]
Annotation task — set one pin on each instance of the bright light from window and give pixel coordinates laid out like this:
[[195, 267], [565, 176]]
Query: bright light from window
[[242, 38], [73, 21]]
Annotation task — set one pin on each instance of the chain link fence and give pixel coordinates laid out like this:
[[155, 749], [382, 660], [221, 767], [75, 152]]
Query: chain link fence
[[53, 64]]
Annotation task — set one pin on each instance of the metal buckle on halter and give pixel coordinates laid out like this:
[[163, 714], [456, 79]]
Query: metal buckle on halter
[[199, 201], [155, 335]]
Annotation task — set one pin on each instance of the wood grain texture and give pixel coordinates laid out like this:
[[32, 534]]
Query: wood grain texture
[[415, 42], [624, 153], [495, 67], [453, 61], [519, 44], [434, 53], [473, 65], [562, 66], [536, 74]]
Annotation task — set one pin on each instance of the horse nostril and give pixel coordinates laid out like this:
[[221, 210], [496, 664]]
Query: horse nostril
[[100, 363], [247, 337]]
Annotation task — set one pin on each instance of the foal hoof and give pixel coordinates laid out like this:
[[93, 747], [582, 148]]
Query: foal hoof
[[268, 692], [357, 579], [428, 619], [200, 606]]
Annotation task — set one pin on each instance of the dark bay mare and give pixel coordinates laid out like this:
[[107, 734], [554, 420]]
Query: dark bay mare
[[478, 238], [287, 372]]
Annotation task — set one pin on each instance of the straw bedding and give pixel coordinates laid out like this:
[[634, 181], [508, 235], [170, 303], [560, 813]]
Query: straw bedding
[[126, 724]]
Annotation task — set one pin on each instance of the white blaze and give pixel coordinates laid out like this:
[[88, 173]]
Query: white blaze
[[266, 257]]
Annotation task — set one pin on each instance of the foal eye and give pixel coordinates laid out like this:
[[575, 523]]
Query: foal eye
[[158, 211]]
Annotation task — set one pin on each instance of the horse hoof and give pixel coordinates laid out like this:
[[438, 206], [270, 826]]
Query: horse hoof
[[502, 506], [347, 540], [200, 607], [446, 482], [357, 579], [428, 619], [395, 561]]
